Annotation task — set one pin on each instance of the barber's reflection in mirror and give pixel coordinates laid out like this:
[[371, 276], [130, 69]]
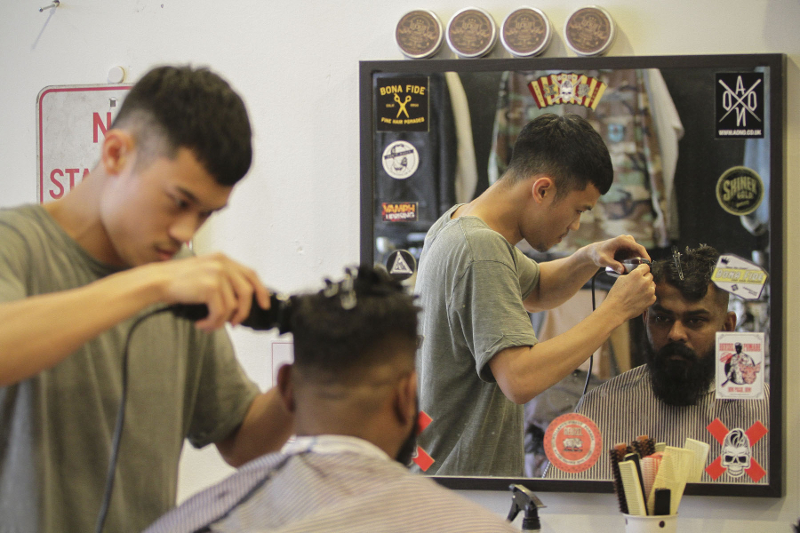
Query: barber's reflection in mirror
[[481, 360], [672, 397]]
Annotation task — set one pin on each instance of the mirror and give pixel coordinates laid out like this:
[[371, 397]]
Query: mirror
[[438, 132]]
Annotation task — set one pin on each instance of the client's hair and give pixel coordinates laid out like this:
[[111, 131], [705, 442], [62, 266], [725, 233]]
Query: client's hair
[[364, 320], [697, 265]]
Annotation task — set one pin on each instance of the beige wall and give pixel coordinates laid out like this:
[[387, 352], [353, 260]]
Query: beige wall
[[297, 64]]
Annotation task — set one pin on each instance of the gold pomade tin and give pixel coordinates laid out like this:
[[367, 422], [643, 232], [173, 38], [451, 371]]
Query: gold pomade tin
[[471, 33], [589, 31], [419, 34], [526, 32]]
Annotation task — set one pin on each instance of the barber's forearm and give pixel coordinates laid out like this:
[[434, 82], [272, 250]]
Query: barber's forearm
[[265, 429], [560, 279], [38, 332], [525, 372]]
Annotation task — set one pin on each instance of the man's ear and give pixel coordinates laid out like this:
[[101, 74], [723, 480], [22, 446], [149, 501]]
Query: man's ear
[[543, 188], [405, 404], [285, 387], [117, 151], [730, 322]]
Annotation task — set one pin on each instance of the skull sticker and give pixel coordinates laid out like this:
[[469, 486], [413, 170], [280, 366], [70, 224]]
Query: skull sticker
[[736, 452]]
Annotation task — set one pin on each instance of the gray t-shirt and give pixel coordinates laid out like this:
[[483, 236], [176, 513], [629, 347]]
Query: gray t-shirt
[[56, 427], [471, 284]]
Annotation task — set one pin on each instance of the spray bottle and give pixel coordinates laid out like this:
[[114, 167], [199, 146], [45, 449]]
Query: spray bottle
[[524, 499]]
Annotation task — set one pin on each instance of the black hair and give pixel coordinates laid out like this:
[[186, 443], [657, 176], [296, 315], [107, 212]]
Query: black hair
[[354, 324], [567, 148], [697, 265], [182, 107]]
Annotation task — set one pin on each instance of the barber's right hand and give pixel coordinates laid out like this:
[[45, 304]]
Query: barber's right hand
[[632, 293], [224, 285]]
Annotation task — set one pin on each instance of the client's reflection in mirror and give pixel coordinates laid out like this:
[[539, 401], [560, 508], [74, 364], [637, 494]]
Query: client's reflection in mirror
[[673, 396]]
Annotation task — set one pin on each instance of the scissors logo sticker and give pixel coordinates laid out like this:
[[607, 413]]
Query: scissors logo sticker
[[402, 104]]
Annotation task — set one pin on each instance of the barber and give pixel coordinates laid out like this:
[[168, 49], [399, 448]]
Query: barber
[[480, 360], [77, 272]]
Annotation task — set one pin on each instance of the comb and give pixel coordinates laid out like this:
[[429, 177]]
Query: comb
[[616, 454], [633, 490], [700, 455]]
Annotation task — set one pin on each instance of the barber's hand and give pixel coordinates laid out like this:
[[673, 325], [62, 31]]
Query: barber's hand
[[632, 293], [225, 286], [613, 251]]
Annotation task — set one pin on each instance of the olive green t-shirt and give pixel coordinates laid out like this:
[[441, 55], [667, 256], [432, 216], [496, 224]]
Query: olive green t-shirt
[[471, 285], [56, 428]]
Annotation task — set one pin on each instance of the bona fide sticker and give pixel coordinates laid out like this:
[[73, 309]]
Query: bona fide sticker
[[572, 442], [400, 160]]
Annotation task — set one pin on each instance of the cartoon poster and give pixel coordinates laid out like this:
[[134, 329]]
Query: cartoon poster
[[740, 365]]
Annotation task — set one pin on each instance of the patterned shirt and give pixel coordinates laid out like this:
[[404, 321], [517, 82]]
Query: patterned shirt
[[625, 407], [328, 483]]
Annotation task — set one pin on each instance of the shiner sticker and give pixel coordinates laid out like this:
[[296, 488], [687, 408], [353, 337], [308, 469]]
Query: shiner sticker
[[399, 211], [572, 442], [740, 190]]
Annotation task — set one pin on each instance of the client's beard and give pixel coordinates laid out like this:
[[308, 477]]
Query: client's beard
[[408, 449], [679, 381]]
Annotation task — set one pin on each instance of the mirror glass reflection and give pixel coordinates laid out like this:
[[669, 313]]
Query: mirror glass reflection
[[670, 141]]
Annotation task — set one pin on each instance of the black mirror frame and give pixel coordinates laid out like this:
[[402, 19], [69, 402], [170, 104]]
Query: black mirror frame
[[777, 66]]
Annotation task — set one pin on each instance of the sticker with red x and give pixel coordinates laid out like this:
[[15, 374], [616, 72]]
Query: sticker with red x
[[422, 459], [722, 464]]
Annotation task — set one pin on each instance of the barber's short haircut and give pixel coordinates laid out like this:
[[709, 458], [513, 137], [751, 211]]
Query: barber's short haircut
[[333, 341], [698, 266], [567, 148], [183, 107]]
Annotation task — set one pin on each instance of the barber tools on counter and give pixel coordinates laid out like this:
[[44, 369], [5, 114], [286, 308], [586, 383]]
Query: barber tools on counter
[[649, 483]]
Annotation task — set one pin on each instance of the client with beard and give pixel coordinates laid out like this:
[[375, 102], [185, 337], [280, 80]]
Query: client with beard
[[672, 396], [353, 392]]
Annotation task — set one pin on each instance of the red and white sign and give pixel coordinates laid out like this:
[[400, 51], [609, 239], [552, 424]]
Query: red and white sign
[[572, 442], [72, 121]]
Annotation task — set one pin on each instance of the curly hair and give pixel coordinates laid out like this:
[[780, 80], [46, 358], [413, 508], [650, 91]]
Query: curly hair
[[335, 339], [697, 265]]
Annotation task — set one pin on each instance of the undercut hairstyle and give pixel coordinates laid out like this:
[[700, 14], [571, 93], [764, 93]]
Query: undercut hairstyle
[[333, 340], [698, 266], [566, 148], [182, 107]]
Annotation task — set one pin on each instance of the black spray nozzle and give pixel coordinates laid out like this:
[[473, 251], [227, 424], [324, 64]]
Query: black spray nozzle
[[523, 499]]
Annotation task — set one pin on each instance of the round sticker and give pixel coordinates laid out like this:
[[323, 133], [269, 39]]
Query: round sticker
[[572, 442], [400, 160], [401, 264], [740, 190]]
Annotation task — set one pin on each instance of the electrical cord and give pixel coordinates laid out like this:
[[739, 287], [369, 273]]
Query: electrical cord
[[591, 357], [112, 463]]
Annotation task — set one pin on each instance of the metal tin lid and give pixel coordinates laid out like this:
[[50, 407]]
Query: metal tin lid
[[471, 32], [526, 32], [589, 31], [419, 34]]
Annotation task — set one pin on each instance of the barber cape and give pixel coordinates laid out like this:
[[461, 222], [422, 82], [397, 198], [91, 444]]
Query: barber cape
[[328, 483]]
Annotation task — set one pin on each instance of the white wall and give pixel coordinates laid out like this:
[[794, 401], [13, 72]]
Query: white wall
[[295, 218]]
